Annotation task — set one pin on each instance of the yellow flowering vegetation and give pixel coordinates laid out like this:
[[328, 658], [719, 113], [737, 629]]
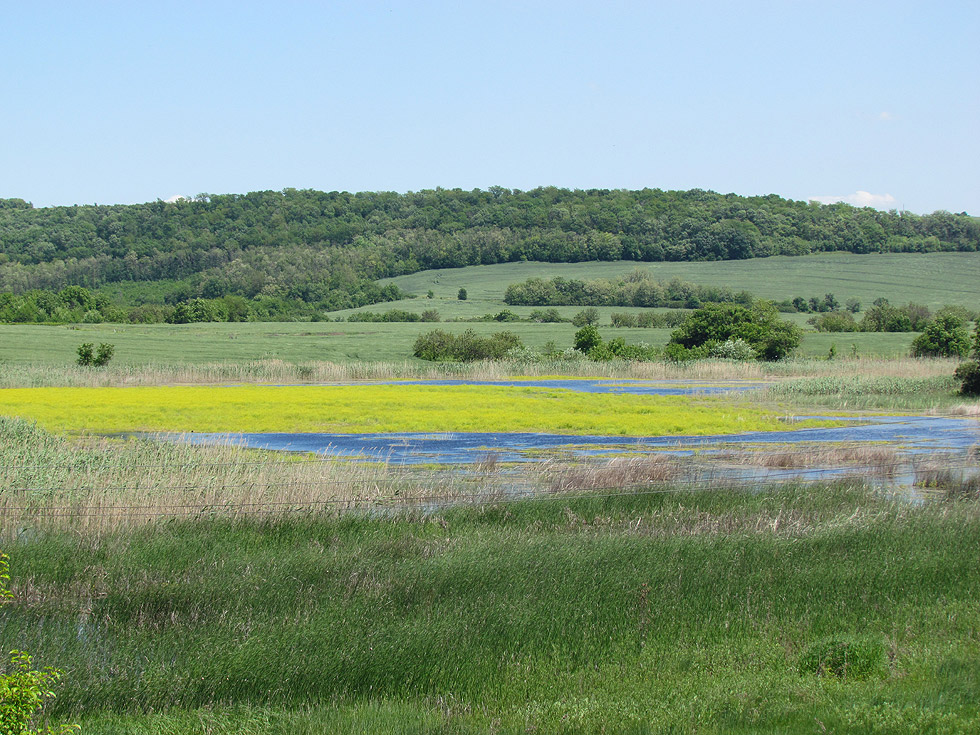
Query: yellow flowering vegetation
[[381, 408]]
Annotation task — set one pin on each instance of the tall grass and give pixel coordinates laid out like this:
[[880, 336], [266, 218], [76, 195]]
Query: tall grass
[[676, 611], [287, 373], [864, 391]]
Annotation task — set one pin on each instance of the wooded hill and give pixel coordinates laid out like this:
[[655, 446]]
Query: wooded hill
[[324, 248]]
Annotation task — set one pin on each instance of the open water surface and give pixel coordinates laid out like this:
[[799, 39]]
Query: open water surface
[[912, 435]]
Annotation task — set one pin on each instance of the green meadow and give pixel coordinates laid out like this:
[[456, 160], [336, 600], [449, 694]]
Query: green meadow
[[803, 609], [339, 342], [933, 279]]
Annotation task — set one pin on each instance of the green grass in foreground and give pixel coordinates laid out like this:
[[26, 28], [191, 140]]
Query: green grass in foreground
[[381, 408], [671, 612]]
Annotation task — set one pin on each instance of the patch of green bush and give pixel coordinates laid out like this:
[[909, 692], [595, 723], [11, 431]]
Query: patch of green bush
[[440, 346], [88, 356], [759, 326], [946, 336]]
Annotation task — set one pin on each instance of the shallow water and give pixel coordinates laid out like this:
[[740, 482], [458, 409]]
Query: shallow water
[[603, 385], [911, 434]]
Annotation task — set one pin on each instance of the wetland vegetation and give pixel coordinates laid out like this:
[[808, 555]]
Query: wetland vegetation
[[630, 593]]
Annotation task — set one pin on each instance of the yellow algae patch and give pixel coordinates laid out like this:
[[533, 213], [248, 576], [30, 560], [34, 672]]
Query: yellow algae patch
[[381, 408]]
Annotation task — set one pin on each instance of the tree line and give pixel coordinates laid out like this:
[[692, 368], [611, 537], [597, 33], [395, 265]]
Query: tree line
[[323, 247], [638, 288]]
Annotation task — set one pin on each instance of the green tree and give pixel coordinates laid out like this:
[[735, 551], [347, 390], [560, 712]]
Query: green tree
[[759, 326], [461, 294], [586, 317], [86, 354], [587, 338], [945, 336]]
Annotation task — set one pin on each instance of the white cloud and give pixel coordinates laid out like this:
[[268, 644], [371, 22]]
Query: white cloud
[[174, 198], [860, 199], [885, 115]]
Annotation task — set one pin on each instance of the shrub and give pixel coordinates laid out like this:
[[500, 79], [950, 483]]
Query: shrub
[[623, 320], [586, 317], [587, 338], [969, 372], [547, 316], [86, 354], [733, 349], [846, 657], [969, 376], [103, 354], [759, 326], [440, 346], [834, 321], [461, 294], [946, 336]]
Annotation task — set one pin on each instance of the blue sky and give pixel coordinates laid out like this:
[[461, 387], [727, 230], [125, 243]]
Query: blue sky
[[127, 102]]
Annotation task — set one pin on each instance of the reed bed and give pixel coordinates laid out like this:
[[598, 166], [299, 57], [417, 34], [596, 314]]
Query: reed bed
[[864, 455], [282, 372], [98, 484]]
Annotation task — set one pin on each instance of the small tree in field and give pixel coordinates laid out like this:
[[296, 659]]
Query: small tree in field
[[88, 356]]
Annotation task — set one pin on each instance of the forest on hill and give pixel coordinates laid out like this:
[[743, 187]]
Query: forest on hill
[[325, 249]]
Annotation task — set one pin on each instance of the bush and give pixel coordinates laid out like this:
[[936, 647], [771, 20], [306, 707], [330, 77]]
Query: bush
[[733, 349], [461, 294], [847, 657], [944, 337], [969, 372], [586, 317], [623, 320], [440, 346], [547, 316], [969, 376], [587, 338], [759, 326], [834, 321], [88, 356]]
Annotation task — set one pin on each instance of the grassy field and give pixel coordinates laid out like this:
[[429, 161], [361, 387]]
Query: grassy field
[[345, 343], [220, 590], [709, 612], [933, 279]]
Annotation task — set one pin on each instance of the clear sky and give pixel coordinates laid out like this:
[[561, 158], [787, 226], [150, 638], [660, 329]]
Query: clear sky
[[121, 102]]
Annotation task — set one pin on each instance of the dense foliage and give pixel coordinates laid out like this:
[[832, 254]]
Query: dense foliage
[[639, 288], [319, 247], [969, 372], [588, 341], [721, 326], [881, 317], [441, 346], [76, 304], [946, 336]]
